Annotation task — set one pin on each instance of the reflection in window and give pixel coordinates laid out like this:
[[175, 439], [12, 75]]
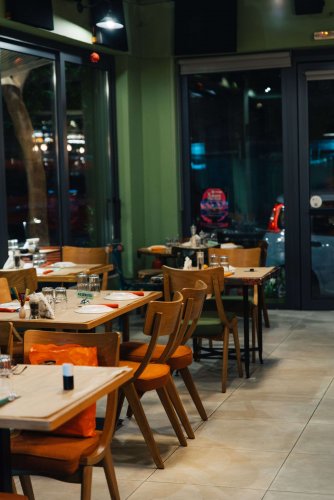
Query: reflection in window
[[88, 154], [236, 147], [31, 171]]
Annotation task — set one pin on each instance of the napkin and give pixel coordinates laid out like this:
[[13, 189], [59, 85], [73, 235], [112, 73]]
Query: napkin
[[140, 294], [48, 271], [8, 309], [187, 263]]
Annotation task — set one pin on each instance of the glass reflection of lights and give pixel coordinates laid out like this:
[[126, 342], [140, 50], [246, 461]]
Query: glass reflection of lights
[[69, 147], [198, 156]]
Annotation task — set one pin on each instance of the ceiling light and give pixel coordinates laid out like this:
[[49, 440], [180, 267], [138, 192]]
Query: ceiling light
[[109, 23]]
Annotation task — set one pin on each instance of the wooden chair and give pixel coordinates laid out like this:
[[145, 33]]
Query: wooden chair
[[5, 295], [85, 255], [243, 257], [65, 458], [212, 325], [6, 337], [162, 319], [180, 356], [17, 340], [21, 279]]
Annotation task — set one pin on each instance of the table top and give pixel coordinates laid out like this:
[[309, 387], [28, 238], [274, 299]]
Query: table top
[[72, 320], [43, 404], [244, 276], [51, 274]]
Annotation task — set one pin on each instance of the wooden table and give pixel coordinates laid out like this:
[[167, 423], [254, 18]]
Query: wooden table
[[71, 320], [70, 274], [246, 278], [44, 406]]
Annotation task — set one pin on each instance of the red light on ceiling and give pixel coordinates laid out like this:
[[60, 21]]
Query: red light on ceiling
[[94, 57]]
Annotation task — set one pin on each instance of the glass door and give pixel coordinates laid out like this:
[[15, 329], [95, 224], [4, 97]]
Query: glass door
[[316, 170]]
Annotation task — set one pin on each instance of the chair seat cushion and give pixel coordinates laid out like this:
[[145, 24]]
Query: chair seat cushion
[[210, 326], [135, 351], [154, 376], [50, 454]]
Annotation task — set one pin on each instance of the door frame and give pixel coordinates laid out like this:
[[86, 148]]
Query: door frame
[[307, 302]]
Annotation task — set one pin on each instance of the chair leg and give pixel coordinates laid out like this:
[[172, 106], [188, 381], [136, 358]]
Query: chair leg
[[109, 471], [138, 411], [189, 383], [169, 409], [237, 349], [27, 487], [225, 358], [179, 408], [86, 484], [254, 332], [196, 349], [265, 311]]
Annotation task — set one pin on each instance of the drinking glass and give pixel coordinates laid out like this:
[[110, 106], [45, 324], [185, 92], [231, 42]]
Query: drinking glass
[[94, 284], [82, 281], [60, 300], [224, 262], [36, 260], [200, 259], [34, 306], [6, 390], [214, 260], [48, 294]]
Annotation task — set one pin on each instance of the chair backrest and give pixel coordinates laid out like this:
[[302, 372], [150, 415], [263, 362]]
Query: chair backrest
[[5, 295], [85, 255], [21, 279], [177, 279], [239, 257], [193, 299], [163, 318], [108, 345], [6, 337], [106, 354]]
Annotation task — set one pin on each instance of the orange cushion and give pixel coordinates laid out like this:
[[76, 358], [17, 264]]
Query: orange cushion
[[135, 351], [47, 453], [83, 424], [153, 377], [12, 496]]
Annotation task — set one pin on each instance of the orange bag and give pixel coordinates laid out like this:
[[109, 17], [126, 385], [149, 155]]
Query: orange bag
[[83, 424]]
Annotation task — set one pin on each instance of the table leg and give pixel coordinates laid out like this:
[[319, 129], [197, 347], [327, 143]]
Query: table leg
[[125, 328], [259, 322], [246, 327], [5, 462]]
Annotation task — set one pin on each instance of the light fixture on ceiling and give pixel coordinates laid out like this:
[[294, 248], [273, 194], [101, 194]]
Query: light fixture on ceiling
[[107, 22]]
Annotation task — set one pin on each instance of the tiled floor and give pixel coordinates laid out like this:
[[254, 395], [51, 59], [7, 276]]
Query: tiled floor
[[269, 437]]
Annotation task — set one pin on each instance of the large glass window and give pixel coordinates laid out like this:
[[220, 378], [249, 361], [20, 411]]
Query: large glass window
[[29, 133], [57, 148], [88, 138], [236, 161]]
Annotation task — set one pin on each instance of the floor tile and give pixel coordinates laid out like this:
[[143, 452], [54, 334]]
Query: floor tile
[[306, 473], [171, 491], [316, 438], [325, 411], [295, 411], [255, 434], [279, 495], [218, 466]]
